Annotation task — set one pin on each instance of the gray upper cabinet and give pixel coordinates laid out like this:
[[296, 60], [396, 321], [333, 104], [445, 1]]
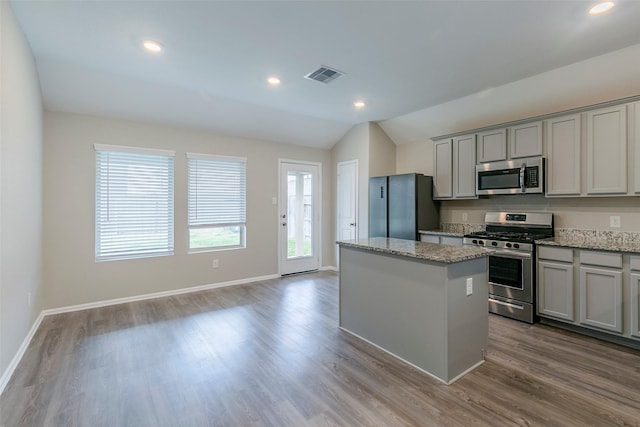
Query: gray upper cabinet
[[563, 156], [492, 146], [525, 140], [464, 166], [443, 169], [607, 151], [589, 151], [454, 167]]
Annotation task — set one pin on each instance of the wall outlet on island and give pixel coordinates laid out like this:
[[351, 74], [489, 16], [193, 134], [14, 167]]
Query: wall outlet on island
[[216, 264], [469, 286], [614, 221]]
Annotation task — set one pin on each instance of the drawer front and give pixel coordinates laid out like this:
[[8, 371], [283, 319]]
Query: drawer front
[[555, 254], [604, 259]]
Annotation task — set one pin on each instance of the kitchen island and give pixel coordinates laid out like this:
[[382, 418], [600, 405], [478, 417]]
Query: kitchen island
[[421, 302]]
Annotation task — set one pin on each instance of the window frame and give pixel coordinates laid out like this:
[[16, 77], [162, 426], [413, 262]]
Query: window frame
[[104, 194], [197, 157]]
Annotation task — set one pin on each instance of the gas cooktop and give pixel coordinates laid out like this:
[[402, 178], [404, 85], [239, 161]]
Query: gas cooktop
[[510, 236]]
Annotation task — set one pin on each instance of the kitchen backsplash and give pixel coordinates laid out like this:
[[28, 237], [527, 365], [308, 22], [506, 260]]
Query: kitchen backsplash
[[615, 238], [452, 227], [603, 236]]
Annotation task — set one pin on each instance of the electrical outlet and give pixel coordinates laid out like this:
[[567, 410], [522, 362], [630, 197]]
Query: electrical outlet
[[465, 217], [274, 200], [216, 263], [614, 221], [469, 286]]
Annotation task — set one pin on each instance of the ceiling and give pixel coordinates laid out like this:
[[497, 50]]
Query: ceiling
[[399, 57]]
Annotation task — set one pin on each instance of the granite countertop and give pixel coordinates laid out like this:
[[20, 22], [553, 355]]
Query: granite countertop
[[420, 250], [601, 244], [441, 233]]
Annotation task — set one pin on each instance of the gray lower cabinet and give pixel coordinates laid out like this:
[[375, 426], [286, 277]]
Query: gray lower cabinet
[[635, 305], [601, 298], [556, 290]]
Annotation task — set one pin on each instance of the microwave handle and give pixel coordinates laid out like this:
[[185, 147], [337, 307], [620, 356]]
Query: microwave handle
[[523, 184]]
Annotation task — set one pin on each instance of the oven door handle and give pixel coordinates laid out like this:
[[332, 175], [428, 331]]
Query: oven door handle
[[502, 253], [508, 304]]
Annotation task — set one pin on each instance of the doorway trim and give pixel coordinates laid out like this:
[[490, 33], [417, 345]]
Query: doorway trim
[[281, 207], [338, 198]]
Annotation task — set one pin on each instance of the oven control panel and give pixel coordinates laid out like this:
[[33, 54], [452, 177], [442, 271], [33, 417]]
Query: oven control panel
[[497, 244]]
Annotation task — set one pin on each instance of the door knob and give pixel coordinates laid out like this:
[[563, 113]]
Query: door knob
[[284, 224]]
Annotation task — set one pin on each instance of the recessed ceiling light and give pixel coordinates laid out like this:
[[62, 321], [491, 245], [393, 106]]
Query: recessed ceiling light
[[603, 7], [273, 81], [359, 104], [152, 46]]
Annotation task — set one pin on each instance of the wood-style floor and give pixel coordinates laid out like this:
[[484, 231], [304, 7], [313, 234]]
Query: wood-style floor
[[270, 354]]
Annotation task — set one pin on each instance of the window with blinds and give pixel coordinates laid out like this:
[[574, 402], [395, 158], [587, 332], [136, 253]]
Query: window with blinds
[[217, 189], [134, 202]]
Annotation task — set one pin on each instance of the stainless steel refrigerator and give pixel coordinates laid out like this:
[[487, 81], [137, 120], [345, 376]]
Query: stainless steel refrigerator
[[400, 205]]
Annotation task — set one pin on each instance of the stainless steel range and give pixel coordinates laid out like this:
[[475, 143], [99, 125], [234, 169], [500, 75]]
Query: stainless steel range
[[512, 276]]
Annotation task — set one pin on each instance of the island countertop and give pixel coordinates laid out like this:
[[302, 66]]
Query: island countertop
[[419, 250]]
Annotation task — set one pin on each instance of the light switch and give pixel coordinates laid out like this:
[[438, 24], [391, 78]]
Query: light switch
[[469, 286], [274, 200]]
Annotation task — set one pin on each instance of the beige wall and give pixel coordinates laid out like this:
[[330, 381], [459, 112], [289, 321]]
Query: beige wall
[[20, 189], [382, 152], [416, 157], [71, 274]]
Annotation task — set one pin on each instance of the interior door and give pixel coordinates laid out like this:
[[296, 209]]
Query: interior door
[[299, 217], [347, 200]]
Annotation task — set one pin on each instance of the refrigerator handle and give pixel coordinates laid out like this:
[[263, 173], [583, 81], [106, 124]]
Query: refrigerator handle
[[382, 192]]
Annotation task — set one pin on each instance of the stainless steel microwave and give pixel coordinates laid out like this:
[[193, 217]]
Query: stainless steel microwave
[[519, 176]]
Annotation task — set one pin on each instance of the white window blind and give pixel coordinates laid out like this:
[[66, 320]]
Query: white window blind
[[134, 203], [216, 201]]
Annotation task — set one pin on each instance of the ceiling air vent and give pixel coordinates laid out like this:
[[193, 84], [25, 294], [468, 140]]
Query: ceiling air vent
[[324, 75]]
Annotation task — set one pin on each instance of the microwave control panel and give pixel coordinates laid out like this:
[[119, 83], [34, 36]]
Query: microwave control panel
[[532, 177]]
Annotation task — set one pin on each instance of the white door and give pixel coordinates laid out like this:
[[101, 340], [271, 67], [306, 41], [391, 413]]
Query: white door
[[299, 217], [347, 200]]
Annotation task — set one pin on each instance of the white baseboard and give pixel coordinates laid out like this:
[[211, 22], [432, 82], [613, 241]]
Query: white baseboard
[[329, 268], [153, 295], [6, 376]]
